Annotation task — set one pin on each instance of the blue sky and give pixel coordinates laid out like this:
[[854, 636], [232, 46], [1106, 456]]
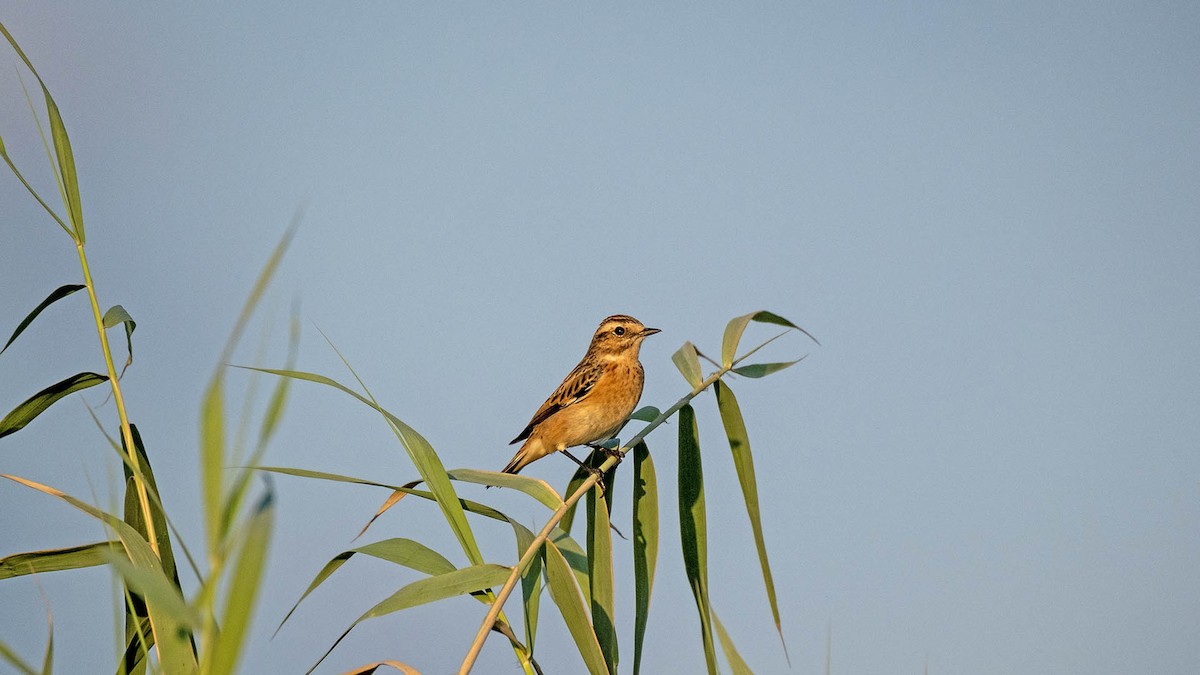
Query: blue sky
[[986, 212]]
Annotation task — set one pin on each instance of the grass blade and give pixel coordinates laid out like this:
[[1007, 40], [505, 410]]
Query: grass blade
[[743, 461], [599, 557], [423, 456], [244, 588], [736, 663], [431, 589], [645, 544], [407, 552], [534, 487], [693, 526], [756, 370], [531, 586], [56, 560], [56, 295], [15, 661], [566, 596], [37, 404], [143, 570]]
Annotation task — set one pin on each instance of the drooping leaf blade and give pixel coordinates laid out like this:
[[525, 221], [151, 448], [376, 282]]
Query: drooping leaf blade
[[756, 370], [56, 560], [736, 663], [37, 404], [406, 552], [117, 315], [244, 587], [423, 456], [55, 295], [15, 660], [531, 585], [743, 462], [534, 487], [431, 589], [143, 571], [599, 555], [693, 528], [645, 544], [737, 326], [565, 594]]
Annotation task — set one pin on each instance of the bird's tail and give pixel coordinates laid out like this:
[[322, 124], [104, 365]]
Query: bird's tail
[[517, 463], [531, 450]]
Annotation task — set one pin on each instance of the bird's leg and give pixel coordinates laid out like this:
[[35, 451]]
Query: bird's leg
[[590, 469], [608, 452]]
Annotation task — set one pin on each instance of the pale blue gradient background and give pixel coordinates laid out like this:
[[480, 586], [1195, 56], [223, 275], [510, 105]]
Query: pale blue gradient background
[[987, 212]]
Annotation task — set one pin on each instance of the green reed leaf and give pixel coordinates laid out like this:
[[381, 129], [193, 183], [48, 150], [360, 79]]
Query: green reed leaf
[[736, 663], [37, 404], [245, 584], [406, 552], [599, 557], [693, 528], [756, 370], [743, 462], [565, 594], [688, 363], [459, 582], [55, 295], [56, 560], [645, 544]]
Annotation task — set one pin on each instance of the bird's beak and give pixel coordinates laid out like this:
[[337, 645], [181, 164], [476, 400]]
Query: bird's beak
[[646, 332]]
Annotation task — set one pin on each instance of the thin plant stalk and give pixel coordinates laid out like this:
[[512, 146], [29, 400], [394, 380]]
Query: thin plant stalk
[[119, 402]]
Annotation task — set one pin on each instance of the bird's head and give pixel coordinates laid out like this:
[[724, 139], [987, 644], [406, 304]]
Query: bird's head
[[620, 334]]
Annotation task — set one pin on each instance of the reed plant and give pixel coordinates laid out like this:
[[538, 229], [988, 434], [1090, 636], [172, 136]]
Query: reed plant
[[170, 630]]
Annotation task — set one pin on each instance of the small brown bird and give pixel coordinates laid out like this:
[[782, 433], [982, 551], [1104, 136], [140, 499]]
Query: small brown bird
[[595, 399]]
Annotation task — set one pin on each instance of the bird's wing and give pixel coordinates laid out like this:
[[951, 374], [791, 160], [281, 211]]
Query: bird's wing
[[572, 390]]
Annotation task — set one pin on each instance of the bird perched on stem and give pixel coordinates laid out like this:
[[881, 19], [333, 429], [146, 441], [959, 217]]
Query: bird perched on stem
[[596, 398]]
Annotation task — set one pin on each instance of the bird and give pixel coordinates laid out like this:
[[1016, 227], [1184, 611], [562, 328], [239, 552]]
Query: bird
[[593, 402]]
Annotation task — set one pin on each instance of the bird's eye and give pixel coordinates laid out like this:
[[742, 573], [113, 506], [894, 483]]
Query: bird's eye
[[619, 330]]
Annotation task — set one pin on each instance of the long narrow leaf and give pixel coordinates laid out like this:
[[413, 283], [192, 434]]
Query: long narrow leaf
[[423, 456], [743, 461], [15, 660], [645, 544], [243, 589], [137, 640], [531, 586], [55, 295], [66, 165], [37, 404], [566, 596], [534, 487], [62, 147], [175, 653], [693, 528], [55, 560], [756, 370], [599, 555], [407, 552], [212, 459], [451, 584], [736, 663], [594, 459]]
